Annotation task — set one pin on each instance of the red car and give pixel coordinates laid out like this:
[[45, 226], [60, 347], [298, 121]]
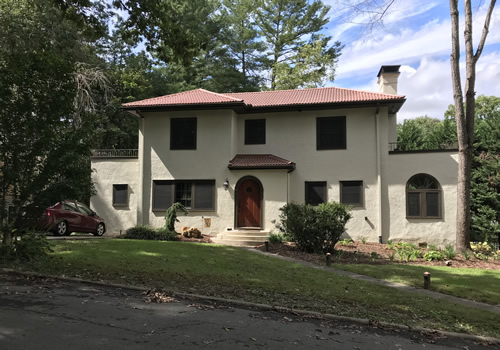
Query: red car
[[71, 216]]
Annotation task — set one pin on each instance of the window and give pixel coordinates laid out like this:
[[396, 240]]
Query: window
[[83, 209], [351, 193], [315, 192], [193, 194], [330, 133], [120, 195], [423, 197], [182, 133], [255, 131]]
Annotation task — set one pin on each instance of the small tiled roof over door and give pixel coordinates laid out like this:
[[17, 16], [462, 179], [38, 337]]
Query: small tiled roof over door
[[259, 161]]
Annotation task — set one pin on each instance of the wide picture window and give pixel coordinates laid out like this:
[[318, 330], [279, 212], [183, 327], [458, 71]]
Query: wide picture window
[[193, 194]]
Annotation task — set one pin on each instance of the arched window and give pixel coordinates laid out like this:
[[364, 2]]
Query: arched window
[[423, 197]]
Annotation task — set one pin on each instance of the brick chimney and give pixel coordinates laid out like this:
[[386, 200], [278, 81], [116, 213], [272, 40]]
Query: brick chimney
[[388, 79]]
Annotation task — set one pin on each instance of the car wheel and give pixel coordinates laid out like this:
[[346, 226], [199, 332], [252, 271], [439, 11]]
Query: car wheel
[[99, 231], [62, 229]]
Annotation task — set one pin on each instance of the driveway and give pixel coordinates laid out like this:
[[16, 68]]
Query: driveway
[[51, 314]]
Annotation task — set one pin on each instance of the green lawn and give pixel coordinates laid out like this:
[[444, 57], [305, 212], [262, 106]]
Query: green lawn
[[238, 274], [474, 284]]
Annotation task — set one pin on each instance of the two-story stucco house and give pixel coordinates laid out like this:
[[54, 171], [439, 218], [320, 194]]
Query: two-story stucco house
[[234, 159]]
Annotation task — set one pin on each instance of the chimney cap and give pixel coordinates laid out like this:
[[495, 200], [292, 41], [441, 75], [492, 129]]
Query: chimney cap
[[388, 69]]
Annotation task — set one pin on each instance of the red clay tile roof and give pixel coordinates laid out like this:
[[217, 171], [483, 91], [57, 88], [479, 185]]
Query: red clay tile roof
[[278, 98], [310, 96], [259, 161], [192, 97]]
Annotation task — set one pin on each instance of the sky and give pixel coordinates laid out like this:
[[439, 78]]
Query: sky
[[415, 34]]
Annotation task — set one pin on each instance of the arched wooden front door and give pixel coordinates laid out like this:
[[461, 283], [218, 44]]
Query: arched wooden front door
[[249, 199]]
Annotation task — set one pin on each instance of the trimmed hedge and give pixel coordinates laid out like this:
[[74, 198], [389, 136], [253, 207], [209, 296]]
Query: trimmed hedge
[[149, 233]]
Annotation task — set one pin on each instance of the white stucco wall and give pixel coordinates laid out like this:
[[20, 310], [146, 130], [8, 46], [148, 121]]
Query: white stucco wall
[[400, 168], [290, 135], [106, 173]]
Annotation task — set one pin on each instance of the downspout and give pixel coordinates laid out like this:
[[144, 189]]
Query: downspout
[[140, 153], [379, 176]]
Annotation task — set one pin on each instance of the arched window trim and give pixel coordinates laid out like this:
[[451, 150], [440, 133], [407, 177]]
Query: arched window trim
[[422, 198]]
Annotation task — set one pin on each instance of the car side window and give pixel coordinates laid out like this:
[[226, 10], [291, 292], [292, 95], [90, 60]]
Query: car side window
[[70, 207], [84, 209]]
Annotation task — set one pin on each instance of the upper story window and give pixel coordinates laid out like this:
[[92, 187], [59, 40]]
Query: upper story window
[[182, 133], [255, 131], [330, 133], [423, 197], [193, 194], [315, 192], [351, 193]]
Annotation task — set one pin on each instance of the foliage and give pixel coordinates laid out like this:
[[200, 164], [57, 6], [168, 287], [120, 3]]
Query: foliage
[[433, 255], [345, 242], [297, 55], [405, 251], [276, 238], [29, 246], [171, 216], [314, 229], [145, 232], [449, 252], [363, 240], [44, 151]]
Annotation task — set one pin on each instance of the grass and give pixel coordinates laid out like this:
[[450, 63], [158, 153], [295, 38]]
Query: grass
[[474, 284], [237, 274]]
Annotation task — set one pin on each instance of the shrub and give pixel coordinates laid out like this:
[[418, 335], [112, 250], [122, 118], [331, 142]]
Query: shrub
[[171, 216], [276, 238], [449, 252], [30, 246], [345, 242], [433, 255], [406, 251], [163, 234], [363, 240], [148, 233], [314, 229]]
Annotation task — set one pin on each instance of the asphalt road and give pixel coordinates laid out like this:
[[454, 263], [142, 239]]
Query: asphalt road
[[49, 314]]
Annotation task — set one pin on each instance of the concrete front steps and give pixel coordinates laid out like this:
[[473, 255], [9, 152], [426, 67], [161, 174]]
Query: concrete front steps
[[242, 237]]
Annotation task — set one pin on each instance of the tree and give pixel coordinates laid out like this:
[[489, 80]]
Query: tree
[[297, 55], [464, 103], [44, 153], [241, 38], [465, 111]]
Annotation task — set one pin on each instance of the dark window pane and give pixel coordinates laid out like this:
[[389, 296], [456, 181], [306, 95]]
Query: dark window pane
[[255, 131], [315, 192], [432, 203], [120, 195], [204, 195], [413, 204], [331, 133], [183, 133], [183, 193], [351, 192], [162, 194]]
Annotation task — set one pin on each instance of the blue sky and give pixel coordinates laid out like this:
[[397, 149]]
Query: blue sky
[[417, 35]]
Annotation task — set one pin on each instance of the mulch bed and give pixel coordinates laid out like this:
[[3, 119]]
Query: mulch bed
[[364, 253]]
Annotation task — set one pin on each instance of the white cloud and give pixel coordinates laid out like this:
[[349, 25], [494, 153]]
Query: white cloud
[[424, 54]]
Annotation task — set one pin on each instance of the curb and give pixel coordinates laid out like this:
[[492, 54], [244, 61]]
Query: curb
[[265, 307]]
